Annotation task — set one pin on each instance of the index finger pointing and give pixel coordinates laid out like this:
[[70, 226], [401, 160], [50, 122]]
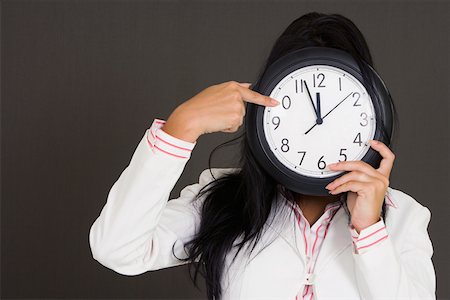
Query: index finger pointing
[[255, 97]]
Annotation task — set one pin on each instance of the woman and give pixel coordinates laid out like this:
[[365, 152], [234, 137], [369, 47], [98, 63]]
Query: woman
[[251, 237]]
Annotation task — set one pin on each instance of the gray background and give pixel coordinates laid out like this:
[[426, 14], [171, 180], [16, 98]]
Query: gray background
[[82, 80]]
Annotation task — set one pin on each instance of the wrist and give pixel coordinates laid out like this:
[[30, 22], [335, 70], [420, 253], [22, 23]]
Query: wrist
[[182, 127], [361, 227]]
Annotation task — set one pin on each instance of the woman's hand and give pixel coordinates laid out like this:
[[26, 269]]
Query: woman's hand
[[366, 186], [219, 107]]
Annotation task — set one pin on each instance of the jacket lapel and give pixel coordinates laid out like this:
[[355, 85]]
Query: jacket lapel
[[287, 230], [338, 239]]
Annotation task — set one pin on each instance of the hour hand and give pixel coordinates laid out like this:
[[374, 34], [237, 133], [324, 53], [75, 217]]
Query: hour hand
[[312, 102], [318, 113]]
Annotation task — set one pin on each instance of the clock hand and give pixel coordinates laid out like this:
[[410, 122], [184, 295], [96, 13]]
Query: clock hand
[[337, 104], [319, 117], [330, 111], [310, 98]]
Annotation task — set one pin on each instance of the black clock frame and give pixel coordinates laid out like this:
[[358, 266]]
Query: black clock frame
[[290, 62]]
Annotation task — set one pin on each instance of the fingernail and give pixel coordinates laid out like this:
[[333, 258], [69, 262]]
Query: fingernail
[[275, 102], [373, 142]]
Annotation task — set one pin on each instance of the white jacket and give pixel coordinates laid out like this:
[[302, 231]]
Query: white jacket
[[138, 226]]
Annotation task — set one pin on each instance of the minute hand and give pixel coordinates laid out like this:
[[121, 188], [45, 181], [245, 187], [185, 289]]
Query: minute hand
[[329, 112]]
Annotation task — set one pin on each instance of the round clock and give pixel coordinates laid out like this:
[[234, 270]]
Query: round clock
[[330, 106]]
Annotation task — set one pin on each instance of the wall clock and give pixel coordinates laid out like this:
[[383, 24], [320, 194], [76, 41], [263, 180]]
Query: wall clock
[[331, 104]]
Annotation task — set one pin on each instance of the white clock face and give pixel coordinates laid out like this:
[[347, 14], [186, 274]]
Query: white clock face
[[305, 140]]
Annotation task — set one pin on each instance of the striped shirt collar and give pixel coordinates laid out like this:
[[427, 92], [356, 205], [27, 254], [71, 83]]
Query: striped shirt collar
[[329, 211]]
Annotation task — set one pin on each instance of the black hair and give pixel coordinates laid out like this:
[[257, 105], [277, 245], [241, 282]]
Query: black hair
[[237, 205]]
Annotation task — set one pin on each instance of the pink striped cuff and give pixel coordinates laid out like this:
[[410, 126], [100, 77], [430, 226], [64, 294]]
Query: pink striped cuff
[[161, 141], [368, 237]]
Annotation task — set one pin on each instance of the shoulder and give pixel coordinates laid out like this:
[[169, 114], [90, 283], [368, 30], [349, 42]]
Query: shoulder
[[402, 202], [404, 211], [211, 174]]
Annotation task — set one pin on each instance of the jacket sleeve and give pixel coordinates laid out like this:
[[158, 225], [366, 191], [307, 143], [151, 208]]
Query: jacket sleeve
[[384, 272], [138, 225]]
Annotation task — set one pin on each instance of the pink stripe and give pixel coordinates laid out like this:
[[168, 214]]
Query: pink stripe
[[351, 233], [360, 239], [182, 148], [160, 122], [304, 237], [317, 236], [392, 203], [311, 296], [331, 208], [170, 153], [296, 208], [170, 143], [148, 141], [326, 230], [306, 291], [372, 243], [293, 206], [329, 217]]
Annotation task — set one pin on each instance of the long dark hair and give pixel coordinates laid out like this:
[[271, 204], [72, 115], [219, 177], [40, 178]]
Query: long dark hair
[[237, 205]]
